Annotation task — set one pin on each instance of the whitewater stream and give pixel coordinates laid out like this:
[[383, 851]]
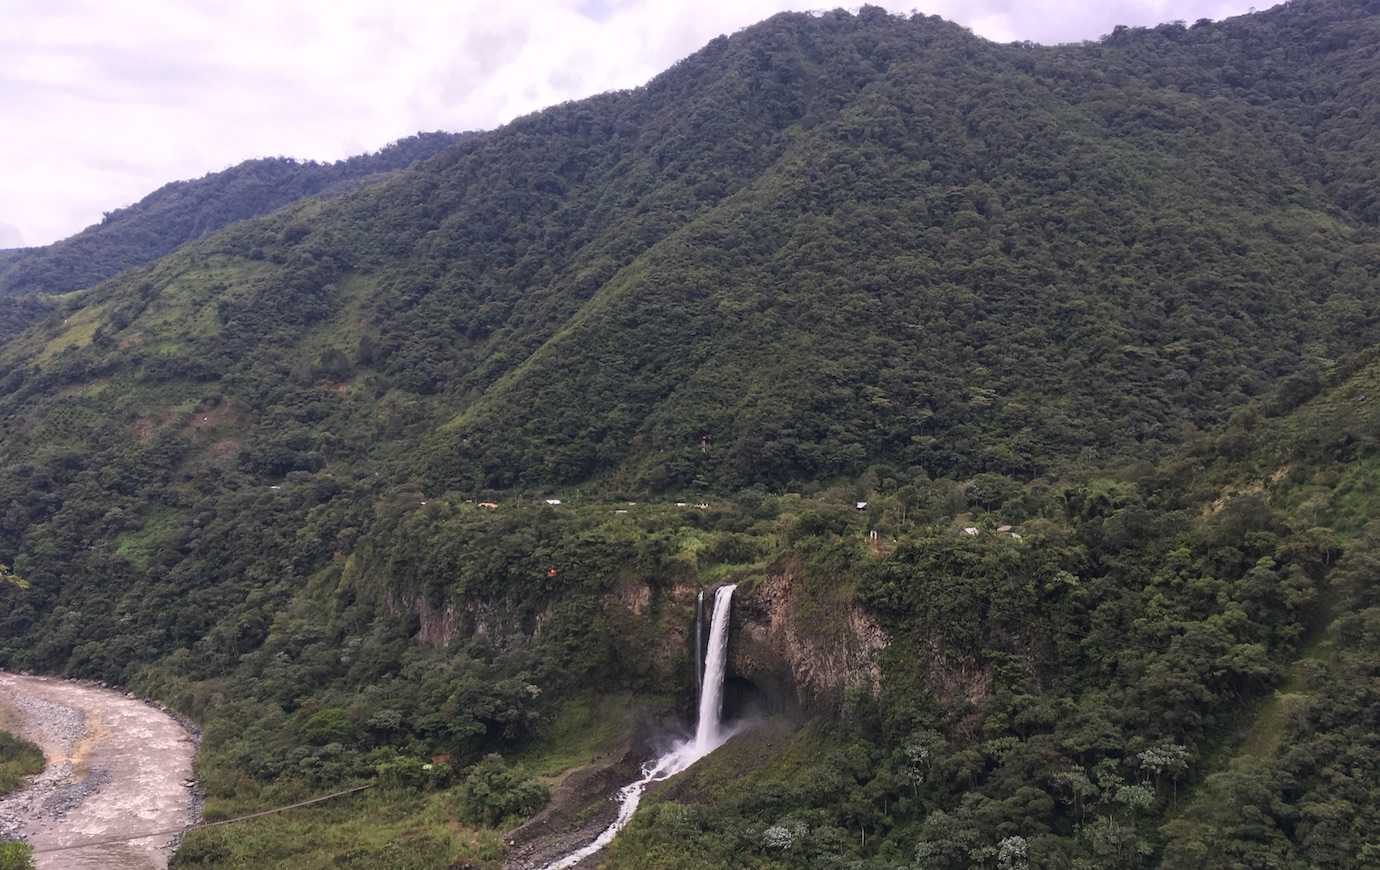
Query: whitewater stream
[[115, 767], [709, 733]]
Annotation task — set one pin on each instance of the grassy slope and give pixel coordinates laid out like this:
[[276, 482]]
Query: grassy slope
[[18, 759], [403, 829], [768, 758]]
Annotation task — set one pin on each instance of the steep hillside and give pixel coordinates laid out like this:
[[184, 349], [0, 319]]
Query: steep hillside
[[1091, 291], [894, 241], [1171, 669]]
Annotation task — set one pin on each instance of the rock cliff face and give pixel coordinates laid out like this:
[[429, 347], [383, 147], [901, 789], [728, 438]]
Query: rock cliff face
[[654, 623], [440, 625], [801, 648], [796, 643], [792, 646]]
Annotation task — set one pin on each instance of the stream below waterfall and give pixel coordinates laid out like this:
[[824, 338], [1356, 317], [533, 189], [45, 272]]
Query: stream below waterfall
[[709, 731]]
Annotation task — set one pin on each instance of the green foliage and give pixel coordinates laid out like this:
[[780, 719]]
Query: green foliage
[[583, 729], [903, 296], [18, 759], [16, 856], [329, 726], [407, 772], [19, 313], [13, 579], [494, 792], [1068, 698]]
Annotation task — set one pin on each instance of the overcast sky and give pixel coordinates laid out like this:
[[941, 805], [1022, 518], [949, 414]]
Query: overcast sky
[[101, 101]]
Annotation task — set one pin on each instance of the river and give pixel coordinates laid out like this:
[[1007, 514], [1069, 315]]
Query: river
[[116, 767]]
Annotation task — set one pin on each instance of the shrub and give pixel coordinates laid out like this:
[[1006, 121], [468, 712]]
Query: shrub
[[494, 791], [329, 726], [18, 758], [16, 856]]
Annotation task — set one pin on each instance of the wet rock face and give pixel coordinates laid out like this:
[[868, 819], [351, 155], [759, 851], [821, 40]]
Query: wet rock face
[[798, 648], [790, 650], [653, 625], [794, 645], [436, 626]]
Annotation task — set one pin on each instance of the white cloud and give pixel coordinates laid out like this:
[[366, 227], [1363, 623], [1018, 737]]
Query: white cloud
[[102, 101], [10, 237]]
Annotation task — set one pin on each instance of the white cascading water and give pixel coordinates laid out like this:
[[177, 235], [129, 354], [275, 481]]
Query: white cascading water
[[699, 640], [709, 733], [708, 726]]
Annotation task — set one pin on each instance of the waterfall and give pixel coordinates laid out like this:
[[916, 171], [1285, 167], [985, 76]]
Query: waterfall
[[716, 662], [699, 641], [709, 732]]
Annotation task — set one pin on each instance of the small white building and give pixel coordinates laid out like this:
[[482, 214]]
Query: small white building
[[862, 506], [971, 531], [553, 501]]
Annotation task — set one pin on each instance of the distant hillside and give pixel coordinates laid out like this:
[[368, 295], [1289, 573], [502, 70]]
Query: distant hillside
[[186, 210]]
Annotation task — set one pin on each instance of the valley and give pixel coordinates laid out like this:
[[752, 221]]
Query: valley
[[1024, 401]]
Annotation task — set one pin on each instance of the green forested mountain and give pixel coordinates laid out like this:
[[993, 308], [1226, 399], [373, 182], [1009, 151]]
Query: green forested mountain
[[896, 241], [177, 213], [1122, 295], [186, 210]]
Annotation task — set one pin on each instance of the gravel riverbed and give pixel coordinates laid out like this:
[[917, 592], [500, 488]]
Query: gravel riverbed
[[116, 767]]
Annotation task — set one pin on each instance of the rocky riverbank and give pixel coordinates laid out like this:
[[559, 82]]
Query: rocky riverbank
[[115, 767]]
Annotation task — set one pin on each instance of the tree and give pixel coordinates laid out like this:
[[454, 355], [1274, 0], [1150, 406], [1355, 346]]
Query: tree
[[1167, 759]]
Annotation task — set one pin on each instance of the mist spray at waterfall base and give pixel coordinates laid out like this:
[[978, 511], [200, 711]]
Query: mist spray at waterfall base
[[710, 734]]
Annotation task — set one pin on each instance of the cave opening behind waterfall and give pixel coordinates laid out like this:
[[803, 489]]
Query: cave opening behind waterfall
[[742, 699]]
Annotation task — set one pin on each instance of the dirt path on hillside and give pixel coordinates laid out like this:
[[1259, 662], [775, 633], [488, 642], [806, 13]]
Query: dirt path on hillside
[[116, 766]]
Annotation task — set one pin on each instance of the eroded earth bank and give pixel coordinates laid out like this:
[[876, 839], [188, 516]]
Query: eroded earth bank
[[115, 767]]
